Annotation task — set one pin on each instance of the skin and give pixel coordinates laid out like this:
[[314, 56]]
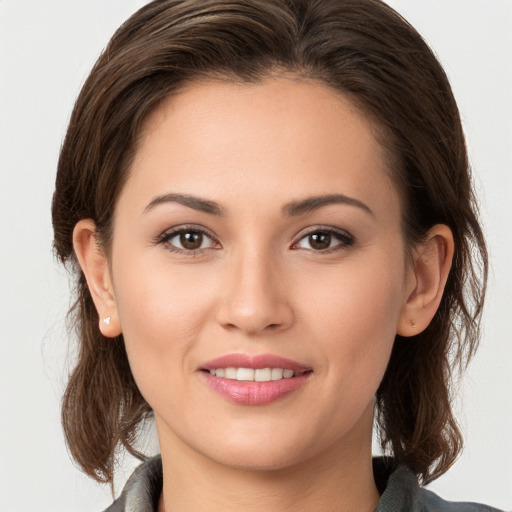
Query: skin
[[257, 285]]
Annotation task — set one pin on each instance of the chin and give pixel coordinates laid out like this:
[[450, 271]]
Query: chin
[[266, 450], [257, 460]]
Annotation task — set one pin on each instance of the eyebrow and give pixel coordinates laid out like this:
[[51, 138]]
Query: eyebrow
[[311, 204], [293, 209], [196, 203]]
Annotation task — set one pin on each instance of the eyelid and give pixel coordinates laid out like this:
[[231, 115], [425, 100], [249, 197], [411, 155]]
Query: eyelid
[[164, 237], [347, 239]]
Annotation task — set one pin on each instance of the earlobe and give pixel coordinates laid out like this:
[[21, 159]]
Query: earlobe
[[94, 265], [432, 260]]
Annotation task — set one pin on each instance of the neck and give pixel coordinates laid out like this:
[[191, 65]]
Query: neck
[[331, 481]]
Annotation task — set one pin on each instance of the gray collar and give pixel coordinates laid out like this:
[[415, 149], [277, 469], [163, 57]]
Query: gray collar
[[397, 485]]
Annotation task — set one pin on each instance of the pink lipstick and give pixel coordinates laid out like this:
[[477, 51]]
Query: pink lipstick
[[254, 380]]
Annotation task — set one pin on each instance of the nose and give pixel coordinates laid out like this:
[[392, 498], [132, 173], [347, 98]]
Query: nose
[[255, 299]]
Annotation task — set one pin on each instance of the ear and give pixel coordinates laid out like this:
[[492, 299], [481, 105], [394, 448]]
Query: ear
[[432, 260], [94, 265]]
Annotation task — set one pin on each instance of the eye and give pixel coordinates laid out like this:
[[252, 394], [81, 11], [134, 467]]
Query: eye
[[187, 240], [324, 240]]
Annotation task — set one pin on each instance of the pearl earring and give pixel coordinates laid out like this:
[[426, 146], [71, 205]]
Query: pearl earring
[[106, 321]]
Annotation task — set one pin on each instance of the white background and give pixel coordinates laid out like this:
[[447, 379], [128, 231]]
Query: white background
[[46, 50]]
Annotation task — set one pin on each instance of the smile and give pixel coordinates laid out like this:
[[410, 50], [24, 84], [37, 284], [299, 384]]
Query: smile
[[253, 374], [261, 379]]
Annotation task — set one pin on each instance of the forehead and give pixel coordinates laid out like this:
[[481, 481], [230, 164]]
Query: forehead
[[302, 106], [282, 136]]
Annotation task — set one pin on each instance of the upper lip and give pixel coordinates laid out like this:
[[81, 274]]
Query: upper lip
[[255, 362]]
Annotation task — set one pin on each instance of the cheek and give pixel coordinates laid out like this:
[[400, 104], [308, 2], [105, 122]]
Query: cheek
[[162, 312], [154, 296], [354, 315], [362, 296]]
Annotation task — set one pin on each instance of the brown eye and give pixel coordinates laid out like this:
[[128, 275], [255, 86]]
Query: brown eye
[[187, 240], [325, 240], [319, 241], [191, 240]]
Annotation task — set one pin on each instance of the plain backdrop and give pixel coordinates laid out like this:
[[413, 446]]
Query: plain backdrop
[[46, 50]]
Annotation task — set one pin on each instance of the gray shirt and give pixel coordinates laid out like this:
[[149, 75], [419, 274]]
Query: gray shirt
[[398, 487]]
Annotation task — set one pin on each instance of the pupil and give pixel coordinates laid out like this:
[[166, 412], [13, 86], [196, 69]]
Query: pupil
[[320, 240], [191, 240]]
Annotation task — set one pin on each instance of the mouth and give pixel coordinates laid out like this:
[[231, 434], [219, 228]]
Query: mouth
[[255, 374], [254, 380]]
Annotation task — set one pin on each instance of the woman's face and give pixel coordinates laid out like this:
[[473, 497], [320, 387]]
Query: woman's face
[[259, 230]]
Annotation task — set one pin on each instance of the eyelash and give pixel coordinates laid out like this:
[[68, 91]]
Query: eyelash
[[165, 239], [344, 238]]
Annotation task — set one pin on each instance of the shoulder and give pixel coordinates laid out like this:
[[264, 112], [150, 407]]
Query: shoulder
[[142, 490], [398, 486], [432, 502], [400, 492]]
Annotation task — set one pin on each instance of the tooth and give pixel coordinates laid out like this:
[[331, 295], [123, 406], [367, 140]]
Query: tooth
[[263, 375], [245, 374], [249, 374], [276, 374], [230, 373]]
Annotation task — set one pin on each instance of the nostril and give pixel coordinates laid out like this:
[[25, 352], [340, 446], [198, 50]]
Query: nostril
[[252, 314]]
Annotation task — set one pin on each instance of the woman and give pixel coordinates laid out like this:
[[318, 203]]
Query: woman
[[271, 216]]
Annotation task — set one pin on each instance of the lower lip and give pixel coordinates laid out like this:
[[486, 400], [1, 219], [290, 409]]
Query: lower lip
[[254, 393]]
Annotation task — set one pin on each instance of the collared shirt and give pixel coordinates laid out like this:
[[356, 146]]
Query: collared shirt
[[398, 487]]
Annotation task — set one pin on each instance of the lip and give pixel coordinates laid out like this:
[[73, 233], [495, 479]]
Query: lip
[[251, 392], [254, 361]]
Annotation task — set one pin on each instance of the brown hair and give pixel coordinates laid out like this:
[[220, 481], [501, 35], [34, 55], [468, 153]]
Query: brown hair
[[364, 50]]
